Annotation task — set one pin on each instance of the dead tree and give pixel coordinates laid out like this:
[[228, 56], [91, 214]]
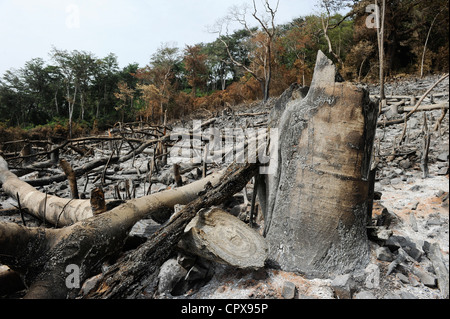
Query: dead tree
[[380, 38], [330, 6], [268, 32], [318, 198]]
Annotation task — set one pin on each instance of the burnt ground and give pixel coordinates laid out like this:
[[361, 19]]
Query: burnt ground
[[411, 209]]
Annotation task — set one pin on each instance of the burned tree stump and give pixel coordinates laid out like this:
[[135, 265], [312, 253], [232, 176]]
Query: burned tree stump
[[318, 198]]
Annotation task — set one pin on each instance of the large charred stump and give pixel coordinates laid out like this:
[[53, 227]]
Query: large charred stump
[[318, 198]]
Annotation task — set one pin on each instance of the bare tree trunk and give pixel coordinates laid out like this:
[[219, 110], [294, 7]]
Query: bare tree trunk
[[325, 26], [66, 212], [71, 107], [267, 82], [270, 31], [380, 37], [82, 104], [56, 102]]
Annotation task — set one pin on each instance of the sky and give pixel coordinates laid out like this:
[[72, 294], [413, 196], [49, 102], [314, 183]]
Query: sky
[[131, 29]]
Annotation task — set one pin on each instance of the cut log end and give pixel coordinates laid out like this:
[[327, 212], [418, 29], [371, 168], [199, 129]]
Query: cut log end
[[218, 236]]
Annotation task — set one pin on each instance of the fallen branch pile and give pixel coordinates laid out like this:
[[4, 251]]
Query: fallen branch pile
[[42, 255]]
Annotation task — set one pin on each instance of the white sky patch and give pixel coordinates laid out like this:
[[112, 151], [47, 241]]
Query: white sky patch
[[132, 29]]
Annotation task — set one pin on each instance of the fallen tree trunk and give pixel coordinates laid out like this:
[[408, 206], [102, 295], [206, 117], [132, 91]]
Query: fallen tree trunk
[[431, 107], [416, 106], [318, 197], [52, 209]]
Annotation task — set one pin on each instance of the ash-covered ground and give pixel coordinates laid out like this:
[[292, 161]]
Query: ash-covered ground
[[411, 211]]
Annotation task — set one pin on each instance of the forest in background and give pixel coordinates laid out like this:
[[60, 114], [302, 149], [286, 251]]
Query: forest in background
[[75, 92]]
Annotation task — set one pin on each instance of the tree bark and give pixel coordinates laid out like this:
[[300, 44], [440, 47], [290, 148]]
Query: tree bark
[[318, 197]]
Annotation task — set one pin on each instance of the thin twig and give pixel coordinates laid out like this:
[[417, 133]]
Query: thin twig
[[59, 216], [106, 167]]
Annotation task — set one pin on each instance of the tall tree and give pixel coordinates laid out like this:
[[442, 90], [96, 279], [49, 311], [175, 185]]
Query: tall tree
[[125, 95], [218, 64], [163, 64], [263, 39], [64, 62], [77, 69], [105, 83], [195, 65], [158, 81], [27, 93], [13, 98], [295, 48]]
